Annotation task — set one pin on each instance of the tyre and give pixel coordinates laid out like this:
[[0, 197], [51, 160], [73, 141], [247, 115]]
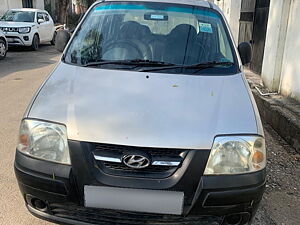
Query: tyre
[[35, 43], [53, 39], [62, 39], [3, 49]]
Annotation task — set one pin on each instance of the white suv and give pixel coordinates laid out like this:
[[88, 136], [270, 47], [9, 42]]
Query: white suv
[[3, 45], [28, 27]]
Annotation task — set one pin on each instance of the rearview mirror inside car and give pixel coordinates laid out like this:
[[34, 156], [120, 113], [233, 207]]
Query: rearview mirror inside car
[[62, 39], [245, 51]]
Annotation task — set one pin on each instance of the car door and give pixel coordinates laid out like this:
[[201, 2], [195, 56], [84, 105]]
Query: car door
[[49, 26], [42, 27]]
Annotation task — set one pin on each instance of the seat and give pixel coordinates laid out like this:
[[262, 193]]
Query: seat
[[180, 45], [129, 44], [207, 40]]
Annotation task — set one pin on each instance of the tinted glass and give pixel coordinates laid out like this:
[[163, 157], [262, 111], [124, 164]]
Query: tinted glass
[[18, 16], [169, 33]]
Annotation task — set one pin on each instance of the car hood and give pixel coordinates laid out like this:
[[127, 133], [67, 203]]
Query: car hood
[[15, 24], [145, 109]]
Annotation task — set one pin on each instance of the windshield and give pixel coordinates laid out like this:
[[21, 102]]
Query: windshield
[[18, 16], [156, 32]]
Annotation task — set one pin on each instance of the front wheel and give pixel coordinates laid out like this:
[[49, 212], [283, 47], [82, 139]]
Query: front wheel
[[3, 49], [35, 43]]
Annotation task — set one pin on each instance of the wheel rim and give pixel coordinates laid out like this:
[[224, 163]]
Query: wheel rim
[[2, 49]]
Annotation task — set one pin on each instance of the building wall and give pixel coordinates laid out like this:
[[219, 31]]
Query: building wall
[[232, 12], [38, 4], [275, 43], [10, 4], [290, 77], [281, 67]]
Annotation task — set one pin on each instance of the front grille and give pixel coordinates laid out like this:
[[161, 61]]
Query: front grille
[[150, 169], [9, 29], [110, 217], [156, 156]]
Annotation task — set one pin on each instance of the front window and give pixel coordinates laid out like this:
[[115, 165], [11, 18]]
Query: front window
[[18, 16], [172, 34]]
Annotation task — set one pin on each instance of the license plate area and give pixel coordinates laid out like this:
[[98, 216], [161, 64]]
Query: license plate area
[[136, 200]]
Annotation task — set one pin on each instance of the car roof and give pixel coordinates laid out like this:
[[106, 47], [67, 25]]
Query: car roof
[[29, 10]]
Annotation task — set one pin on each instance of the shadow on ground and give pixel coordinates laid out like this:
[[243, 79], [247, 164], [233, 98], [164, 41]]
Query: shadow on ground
[[23, 58]]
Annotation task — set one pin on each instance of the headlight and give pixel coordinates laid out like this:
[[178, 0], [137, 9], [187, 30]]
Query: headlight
[[44, 140], [236, 155], [24, 30]]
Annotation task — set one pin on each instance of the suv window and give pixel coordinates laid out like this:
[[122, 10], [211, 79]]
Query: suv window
[[46, 17], [168, 33], [40, 16]]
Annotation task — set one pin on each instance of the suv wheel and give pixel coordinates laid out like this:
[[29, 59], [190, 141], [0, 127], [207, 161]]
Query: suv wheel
[[35, 42], [3, 49], [53, 39]]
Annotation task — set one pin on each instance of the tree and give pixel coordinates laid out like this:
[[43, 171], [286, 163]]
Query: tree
[[62, 7], [83, 5]]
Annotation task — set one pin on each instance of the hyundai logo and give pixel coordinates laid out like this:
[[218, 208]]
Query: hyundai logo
[[136, 161]]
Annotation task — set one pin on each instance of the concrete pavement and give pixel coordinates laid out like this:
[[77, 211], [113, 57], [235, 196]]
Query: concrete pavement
[[21, 73], [24, 71]]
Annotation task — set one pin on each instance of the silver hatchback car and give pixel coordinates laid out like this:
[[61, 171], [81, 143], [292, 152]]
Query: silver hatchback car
[[147, 119]]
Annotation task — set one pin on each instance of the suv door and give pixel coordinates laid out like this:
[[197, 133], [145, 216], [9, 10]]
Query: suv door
[[49, 27], [42, 27]]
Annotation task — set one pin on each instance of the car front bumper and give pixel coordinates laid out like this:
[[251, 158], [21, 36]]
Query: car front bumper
[[208, 200], [14, 39]]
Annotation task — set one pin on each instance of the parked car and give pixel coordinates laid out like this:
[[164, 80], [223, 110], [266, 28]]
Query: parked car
[[3, 45], [147, 118], [28, 27]]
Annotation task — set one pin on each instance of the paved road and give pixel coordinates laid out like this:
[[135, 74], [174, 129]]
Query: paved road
[[22, 73]]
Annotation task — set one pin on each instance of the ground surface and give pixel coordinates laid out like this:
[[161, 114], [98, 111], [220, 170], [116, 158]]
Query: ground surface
[[24, 71]]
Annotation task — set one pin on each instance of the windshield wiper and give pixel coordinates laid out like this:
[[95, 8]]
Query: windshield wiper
[[135, 62], [198, 66]]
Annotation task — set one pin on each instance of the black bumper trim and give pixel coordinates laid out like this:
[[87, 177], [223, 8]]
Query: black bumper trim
[[82, 216], [229, 198], [52, 218], [37, 181]]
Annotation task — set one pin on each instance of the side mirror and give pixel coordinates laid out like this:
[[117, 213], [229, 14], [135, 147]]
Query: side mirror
[[62, 39], [41, 21], [245, 51]]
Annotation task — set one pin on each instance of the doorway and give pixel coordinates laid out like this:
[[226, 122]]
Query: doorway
[[253, 29], [27, 4]]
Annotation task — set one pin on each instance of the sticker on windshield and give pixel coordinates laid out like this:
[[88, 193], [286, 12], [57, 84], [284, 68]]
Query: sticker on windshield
[[206, 28]]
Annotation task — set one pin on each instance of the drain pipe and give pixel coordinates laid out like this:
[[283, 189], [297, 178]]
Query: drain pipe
[[265, 94]]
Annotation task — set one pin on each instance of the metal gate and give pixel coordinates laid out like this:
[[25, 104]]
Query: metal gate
[[253, 28]]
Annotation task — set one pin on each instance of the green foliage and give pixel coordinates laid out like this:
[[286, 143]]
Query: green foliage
[[72, 20]]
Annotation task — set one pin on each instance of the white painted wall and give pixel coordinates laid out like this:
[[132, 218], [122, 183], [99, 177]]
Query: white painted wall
[[9, 4], [232, 12], [38, 4], [275, 43], [290, 78], [281, 63]]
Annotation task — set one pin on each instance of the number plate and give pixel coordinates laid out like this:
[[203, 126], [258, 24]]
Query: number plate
[[137, 200]]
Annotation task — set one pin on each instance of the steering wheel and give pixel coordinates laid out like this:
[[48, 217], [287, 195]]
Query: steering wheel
[[125, 50]]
